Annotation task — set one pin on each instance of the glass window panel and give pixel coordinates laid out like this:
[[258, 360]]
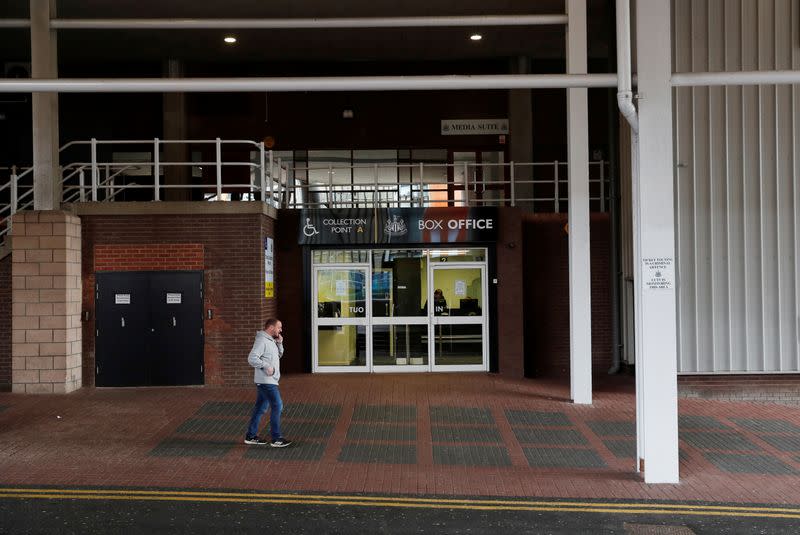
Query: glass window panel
[[399, 283], [340, 256], [400, 345], [458, 345], [341, 293], [365, 161], [321, 161], [461, 291], [342, 345], [457, 255]]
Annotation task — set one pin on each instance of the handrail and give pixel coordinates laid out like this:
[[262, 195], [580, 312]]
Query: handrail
[[262, 176]]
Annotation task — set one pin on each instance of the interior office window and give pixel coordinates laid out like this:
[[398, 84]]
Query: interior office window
[[375, 176], [399, 279], [434, 176]]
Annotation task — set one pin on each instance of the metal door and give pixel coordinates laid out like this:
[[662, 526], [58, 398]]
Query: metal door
[[149, 328], [122, 344], [176, 305]]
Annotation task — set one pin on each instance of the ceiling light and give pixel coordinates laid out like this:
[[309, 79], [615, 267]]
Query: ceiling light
[[476, 37], [230, 39]]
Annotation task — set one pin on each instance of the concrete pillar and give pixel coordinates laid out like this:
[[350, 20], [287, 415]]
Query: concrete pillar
[[654, 257], [44, 64], [175, 127], [520, 128], [46, 339], [580, 309]]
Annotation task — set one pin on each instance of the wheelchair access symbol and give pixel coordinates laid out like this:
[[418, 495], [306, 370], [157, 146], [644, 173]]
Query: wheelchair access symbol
[[309, 229]]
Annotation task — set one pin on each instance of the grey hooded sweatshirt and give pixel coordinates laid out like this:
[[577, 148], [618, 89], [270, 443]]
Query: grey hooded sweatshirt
[[266, 353]]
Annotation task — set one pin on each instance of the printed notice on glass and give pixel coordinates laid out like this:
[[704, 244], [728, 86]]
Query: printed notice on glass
[[658, 273], [461, 288], [173, 299], [341, 288], [122, 299]]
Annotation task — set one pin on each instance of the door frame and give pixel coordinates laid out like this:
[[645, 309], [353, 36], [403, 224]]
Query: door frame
[[482, 320], [316, 321]]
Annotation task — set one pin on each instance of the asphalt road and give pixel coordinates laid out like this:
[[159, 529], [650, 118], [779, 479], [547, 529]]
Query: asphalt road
[[123, 511]]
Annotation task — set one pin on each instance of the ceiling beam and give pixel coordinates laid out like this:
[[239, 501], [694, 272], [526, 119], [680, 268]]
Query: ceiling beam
[[347, 83], [295, 23]]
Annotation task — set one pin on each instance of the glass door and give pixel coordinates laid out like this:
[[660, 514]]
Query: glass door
[[399, 319], [458, 331], [341, 337]]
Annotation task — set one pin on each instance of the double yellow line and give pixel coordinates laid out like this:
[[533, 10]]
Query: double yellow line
[[393, 501]]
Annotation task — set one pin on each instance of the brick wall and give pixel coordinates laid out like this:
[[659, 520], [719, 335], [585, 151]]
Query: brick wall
[[149, 257], [546, 294], [232, 250], [5, 324], [510, 277], [783, 389]]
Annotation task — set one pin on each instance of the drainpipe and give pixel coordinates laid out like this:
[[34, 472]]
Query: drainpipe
[[624, 93], [628, 110]]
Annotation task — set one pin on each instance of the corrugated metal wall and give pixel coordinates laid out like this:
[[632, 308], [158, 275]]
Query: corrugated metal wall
[[737, 189]]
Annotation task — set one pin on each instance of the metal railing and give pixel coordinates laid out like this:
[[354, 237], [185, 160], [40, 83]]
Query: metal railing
[[538, 186], [245, 170]]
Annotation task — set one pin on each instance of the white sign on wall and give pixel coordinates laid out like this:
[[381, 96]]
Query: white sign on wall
[[658, 273], [122, 299], [269, 268], [473, 127], [173, 299]]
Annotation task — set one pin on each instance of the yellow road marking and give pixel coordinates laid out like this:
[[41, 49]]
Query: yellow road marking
[[383, 501]]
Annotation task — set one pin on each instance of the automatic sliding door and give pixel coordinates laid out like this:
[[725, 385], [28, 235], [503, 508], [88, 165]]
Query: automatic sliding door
[[458, 330], [341, 338]]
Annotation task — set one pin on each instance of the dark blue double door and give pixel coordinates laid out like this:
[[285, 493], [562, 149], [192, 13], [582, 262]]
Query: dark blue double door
[[149, 328]]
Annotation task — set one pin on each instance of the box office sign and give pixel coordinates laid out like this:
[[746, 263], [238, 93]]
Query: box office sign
[[398, 225]]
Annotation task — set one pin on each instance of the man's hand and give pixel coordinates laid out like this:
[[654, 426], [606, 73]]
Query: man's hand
[[270, 371], [279, 339]]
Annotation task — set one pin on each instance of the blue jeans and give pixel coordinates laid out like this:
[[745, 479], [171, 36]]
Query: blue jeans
[[268, 395]]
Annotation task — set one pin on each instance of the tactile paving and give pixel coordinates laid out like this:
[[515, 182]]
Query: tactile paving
[[461, 415], [717, 440], [385, 413], [571, 437], [520, 417], [471, 455], [465, 434], [563, 458], [609, 428], [782, 442], [751, 464], [766, 426], [622, 449], [690, 421]]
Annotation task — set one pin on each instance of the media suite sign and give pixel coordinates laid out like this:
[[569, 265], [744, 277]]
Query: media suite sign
[[398, 225]]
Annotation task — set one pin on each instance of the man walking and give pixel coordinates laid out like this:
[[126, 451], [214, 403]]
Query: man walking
[[265, 357]]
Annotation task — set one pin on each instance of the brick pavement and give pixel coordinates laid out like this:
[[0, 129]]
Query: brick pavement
[[435, 434]]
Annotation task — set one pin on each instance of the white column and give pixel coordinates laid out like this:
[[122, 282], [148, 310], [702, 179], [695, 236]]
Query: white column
[[654, 261], [44, 64], [580, 307]]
